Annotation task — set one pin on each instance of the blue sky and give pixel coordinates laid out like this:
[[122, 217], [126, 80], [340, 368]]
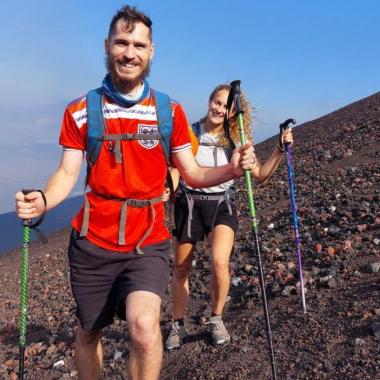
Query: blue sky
[[298, 59]]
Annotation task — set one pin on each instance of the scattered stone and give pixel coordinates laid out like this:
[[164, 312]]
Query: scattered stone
[[117, 355], [328, 281], [359, 342], [376, 329], [287, 291], [270, 226], [347, 246], [248, 268], [374, 267], [333, 231], [59, 363]]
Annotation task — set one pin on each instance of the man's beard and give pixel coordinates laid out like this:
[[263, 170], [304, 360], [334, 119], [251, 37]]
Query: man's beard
[[124, 86]]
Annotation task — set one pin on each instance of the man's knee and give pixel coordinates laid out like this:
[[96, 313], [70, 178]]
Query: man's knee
[[145, 330]]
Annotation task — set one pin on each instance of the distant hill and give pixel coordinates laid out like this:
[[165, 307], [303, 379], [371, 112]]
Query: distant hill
[[56, 219], [351, 127]]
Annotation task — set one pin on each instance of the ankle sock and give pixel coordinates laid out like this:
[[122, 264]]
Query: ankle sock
[[181, 322]]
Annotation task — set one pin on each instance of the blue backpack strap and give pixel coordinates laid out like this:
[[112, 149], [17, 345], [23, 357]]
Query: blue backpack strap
[[196, 127], [164, 120], [95, 124]]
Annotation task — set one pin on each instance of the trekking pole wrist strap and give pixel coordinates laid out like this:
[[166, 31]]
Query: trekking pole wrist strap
[[42, 216]]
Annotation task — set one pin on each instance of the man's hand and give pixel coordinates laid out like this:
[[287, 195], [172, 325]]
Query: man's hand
[[165, 195], [243, 158], [29, 206]]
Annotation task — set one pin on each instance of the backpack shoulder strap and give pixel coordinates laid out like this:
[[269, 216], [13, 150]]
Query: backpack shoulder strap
[[196, 127], [95, 124], [228, 151], [164, 120], [165, 127]]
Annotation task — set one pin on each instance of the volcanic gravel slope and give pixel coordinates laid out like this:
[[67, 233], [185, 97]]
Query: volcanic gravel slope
[[337, 175]]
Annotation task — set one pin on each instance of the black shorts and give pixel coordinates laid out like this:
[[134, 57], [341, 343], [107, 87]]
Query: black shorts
[[102, 279], [206, 215]]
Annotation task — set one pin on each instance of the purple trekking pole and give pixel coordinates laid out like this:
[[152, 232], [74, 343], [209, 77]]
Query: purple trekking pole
[[297, 240]]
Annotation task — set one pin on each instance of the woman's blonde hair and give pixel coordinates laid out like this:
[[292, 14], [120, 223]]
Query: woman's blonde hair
[[232, 121]]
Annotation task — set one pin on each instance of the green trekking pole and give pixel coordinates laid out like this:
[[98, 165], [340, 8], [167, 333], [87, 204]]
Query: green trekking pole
[[23, 316], [235, 92], [26, 223]]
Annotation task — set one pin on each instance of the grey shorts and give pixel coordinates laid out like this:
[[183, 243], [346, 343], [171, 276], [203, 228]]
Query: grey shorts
[[102, 279], [206, 215]]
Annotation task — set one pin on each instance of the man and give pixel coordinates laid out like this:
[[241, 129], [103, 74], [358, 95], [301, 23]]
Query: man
[[118, 252]]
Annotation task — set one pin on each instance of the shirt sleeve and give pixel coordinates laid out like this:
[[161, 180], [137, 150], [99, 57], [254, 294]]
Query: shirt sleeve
[[72, 135], [180, 137]]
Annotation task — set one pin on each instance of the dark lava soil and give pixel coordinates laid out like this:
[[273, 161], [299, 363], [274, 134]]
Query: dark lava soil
[[337, 176]]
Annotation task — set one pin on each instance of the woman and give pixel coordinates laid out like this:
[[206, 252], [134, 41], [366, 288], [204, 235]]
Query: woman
[[210, 213]]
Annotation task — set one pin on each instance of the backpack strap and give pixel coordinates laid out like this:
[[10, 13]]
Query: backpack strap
[[164, 120], [165, 128], [196, 127], [95, 124]]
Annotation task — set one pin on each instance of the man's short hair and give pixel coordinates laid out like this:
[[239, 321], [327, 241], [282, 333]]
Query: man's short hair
[[131, 16]]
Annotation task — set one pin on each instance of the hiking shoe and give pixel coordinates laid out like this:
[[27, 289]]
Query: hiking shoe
[[176, 334], [219, 333]]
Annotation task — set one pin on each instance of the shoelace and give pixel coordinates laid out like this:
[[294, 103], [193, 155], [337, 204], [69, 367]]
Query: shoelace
[[217, 325], [175, 329]]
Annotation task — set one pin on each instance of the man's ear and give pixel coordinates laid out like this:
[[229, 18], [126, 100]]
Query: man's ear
[[106, 46], [151, 51]]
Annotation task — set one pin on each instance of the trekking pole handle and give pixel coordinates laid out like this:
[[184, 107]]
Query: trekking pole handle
[[236, 93], [285, 124], [27, 222]]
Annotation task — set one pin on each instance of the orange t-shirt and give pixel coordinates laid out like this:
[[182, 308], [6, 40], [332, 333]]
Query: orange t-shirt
[[141, 175]]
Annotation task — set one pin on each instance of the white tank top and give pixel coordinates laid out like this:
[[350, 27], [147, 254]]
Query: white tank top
[[210, 156]]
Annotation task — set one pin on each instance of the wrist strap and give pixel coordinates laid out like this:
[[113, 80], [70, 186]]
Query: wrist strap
[[42, 216]]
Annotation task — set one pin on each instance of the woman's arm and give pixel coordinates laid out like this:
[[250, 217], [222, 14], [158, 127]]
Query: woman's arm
[[263, 172]]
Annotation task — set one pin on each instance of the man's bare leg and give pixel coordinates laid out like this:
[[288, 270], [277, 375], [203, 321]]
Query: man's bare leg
[[143, 319], [88, 354]]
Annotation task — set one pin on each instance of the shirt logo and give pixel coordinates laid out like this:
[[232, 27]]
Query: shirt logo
[[144, 129]]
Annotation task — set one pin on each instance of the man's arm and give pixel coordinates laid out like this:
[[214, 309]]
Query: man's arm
[[57, 189], [197, 176]]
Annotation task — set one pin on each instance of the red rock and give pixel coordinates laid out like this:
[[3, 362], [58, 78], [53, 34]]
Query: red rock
[[330, 251], [11, 364], [347, 246], [289, 277]]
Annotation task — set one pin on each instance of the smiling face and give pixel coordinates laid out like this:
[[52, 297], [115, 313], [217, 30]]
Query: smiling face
[[129, 53], [217, 108]]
